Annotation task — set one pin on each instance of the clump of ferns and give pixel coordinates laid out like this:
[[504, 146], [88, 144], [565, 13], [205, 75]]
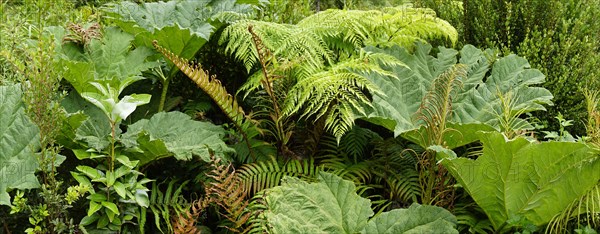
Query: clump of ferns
[[435, 112], [383, 169], [323, 54], [262, 175]]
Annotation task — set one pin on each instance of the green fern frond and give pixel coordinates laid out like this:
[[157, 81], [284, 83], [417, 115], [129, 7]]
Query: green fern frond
[[335, 94], [267, 174], [167, 205], [436, 107], [284, 40]]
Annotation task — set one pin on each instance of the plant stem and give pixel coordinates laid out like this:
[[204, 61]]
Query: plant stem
[[165, 88]]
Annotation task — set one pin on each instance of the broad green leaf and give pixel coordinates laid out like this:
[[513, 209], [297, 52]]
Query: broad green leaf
[[415, 219], [111, 206], [477, 101], [109, 62], [94, 207], [120, 189], [182, 27], [518, 177], [87, 127], [141, 198], [174, 134], [87, 220], [127, 105], [332, 206], [19, 141], [90, 172], [457, 134]]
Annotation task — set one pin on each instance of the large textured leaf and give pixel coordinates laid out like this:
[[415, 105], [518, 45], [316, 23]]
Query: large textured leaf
[[415, 219], [109, 62], [332, 206], [517, 177], [86, 126], [18, 142], [180, 26], [174, 134], [476, 102]]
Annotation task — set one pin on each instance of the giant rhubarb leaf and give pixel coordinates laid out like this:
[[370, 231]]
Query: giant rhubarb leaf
[[174, 134], [18, 142], [519, 178], [180, 26], [476, 101], [332, 206], [108, 62]]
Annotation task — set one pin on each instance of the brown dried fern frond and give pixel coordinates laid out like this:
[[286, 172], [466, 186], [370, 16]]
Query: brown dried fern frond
[[228, 192], [185, 223]]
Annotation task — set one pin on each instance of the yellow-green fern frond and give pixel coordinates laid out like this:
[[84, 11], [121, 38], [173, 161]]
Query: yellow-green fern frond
[[283, 40], [335, 94]]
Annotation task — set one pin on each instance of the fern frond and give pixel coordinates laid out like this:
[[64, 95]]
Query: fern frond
[[267, 174], [217, 92], [436, 107], [335, 94], [167, 205], [228, 192]]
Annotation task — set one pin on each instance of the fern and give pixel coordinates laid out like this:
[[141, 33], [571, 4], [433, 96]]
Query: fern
[[322, 53], [267, 174], [167, 205], [214, 89], [228, 192], [335, 94], [185, 222]]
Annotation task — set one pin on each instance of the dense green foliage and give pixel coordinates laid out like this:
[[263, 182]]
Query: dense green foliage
[[561, 38], [299, 116]]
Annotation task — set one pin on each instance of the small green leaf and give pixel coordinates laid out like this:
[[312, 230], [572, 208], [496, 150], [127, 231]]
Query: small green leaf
[[81, 179], [110, 178], [84, 154], [97, 197], [120, 189], [102, 222], [141, 197], [90, 172], [127, 105], [121, 171], [87, 220], [110, 215], [111, 206], [125, 161], [94, 207]]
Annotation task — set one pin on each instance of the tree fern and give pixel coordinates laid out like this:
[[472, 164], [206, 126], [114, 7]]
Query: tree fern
[[323, 55]]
